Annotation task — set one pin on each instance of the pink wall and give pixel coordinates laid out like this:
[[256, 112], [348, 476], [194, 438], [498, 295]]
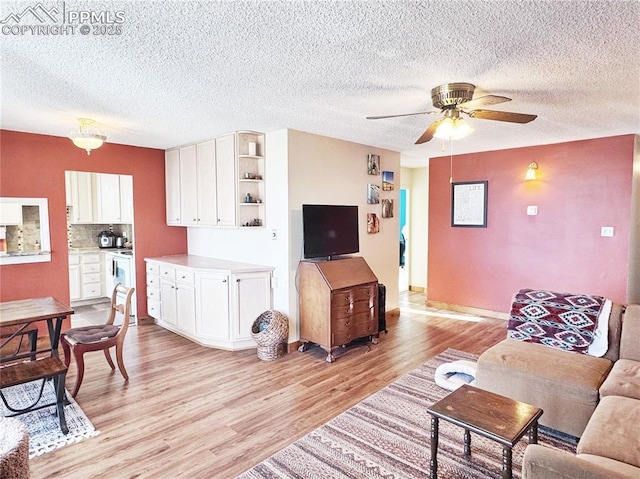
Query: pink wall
[[33, 166], [582, 186]]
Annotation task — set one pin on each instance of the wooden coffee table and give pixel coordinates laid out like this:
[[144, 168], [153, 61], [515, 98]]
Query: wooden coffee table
[[490, 415]]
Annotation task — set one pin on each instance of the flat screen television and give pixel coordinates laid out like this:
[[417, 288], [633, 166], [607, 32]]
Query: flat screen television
[[329, 230]]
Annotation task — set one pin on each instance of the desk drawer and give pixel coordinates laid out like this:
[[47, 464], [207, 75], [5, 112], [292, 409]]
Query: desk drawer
[[168, 273], [91, 268], [153, 268], [93, 290], [153, 281], [92, 278], [153, 293], [91, 258], [153, 308], [185, 276]]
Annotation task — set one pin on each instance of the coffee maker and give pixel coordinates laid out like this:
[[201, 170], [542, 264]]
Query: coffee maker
[[106, 239]]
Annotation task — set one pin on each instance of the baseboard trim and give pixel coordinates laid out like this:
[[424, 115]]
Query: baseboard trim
[[417, 289], [469, 310]]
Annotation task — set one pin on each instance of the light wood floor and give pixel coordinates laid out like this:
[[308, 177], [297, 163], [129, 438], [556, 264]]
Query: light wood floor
[[194, 412]]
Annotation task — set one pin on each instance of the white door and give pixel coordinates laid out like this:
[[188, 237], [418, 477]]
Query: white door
[[108, 198], [253, 297], [169, 302], [186, 307]]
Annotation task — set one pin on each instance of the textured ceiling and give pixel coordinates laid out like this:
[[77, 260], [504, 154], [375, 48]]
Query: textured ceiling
[[180, 72]]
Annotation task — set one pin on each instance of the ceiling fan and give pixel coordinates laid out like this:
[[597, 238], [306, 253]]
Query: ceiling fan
[[455, 98]]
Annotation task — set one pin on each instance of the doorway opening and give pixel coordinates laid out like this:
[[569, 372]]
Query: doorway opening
[[404, 259]]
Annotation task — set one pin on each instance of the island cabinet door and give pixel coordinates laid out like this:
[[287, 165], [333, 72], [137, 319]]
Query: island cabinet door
[[212, 298], [252, 297]]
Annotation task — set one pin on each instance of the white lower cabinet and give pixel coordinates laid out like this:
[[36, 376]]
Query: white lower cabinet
[[213, 302], [86, 278]]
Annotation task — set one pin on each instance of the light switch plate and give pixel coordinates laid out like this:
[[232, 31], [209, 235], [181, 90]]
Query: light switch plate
[[606, 231], [532, 210]]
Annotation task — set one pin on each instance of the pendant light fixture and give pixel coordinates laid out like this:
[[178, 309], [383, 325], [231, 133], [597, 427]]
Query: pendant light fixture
[[88, 137]]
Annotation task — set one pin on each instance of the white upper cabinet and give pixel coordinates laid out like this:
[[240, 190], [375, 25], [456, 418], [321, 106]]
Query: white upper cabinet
[[172, 186], [219, 182], [108, 198], [226, 180], [188, 185], [100, 198], [207, 184]]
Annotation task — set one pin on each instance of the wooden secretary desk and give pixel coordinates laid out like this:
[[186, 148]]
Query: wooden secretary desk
[[338, 303]]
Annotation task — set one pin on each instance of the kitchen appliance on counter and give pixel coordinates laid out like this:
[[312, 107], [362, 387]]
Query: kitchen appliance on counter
[[106, 239], [120, 241]]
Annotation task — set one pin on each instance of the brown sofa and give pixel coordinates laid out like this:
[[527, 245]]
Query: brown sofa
[[562, 384]]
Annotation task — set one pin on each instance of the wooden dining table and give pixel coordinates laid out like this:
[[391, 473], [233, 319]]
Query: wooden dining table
[[18, 316]]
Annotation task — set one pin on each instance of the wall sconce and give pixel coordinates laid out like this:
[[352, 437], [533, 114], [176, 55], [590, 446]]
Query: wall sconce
[[532, 171]]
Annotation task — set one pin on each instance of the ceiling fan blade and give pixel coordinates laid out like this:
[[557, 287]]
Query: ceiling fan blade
[[428, 134], [502, 116], [483, 101], [404, 114]]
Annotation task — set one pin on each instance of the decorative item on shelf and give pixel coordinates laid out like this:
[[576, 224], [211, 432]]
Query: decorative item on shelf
[[248, 198], [532, 171], [252, 148], [88, 137], [253, 222]]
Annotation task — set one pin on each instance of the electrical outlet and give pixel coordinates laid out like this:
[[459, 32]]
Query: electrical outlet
[[606, 231], [532, 210]]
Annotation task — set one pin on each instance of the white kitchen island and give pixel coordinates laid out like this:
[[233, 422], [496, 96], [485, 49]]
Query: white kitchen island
[[211, 301]]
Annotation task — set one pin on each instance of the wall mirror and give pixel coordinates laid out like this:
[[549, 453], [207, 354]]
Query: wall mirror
[[24, 230]]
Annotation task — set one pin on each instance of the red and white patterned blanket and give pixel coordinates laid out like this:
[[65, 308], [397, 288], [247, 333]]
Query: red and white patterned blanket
[[559, 320]]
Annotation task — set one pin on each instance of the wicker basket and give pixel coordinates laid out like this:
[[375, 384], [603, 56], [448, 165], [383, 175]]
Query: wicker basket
[[270, 331]]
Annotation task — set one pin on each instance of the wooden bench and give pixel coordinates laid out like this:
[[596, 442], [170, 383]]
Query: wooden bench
[[41, 369]]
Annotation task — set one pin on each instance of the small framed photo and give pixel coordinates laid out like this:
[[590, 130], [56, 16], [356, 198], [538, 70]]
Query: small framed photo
[[373, 164], [469, 204], [387, 208], [373, 223], [373, 194], [387, 181]]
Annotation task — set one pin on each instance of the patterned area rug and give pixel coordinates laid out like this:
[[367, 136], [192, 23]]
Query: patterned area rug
[[43, 425], [387, 436]]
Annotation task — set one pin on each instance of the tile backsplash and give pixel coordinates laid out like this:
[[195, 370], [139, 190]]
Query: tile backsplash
[[86, 236]]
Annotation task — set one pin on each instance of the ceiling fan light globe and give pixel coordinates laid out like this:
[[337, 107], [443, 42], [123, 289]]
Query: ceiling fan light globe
[[453, 129]]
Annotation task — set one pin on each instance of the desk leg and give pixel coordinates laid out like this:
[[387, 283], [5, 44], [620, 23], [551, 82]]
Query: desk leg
[[467, 442], [533, 433], [506, 463], [433, 465], [58, 382]]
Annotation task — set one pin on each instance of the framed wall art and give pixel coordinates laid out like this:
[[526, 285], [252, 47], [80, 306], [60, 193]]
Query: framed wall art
[[373, 164], [469, 204], [387, 181], [373, 194]]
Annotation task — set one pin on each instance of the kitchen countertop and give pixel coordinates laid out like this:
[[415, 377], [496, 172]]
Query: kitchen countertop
[[203, 262], [95, 249]]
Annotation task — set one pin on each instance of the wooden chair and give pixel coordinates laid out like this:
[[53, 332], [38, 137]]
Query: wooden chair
[[103, 337]]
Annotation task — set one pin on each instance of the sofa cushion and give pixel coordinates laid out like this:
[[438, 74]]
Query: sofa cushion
[[615, 469], [564, 384], [623, 380], [613, 431]]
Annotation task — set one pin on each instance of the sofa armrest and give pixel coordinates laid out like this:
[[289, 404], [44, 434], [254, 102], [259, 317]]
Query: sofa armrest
[[545, 463], [629, 344]]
